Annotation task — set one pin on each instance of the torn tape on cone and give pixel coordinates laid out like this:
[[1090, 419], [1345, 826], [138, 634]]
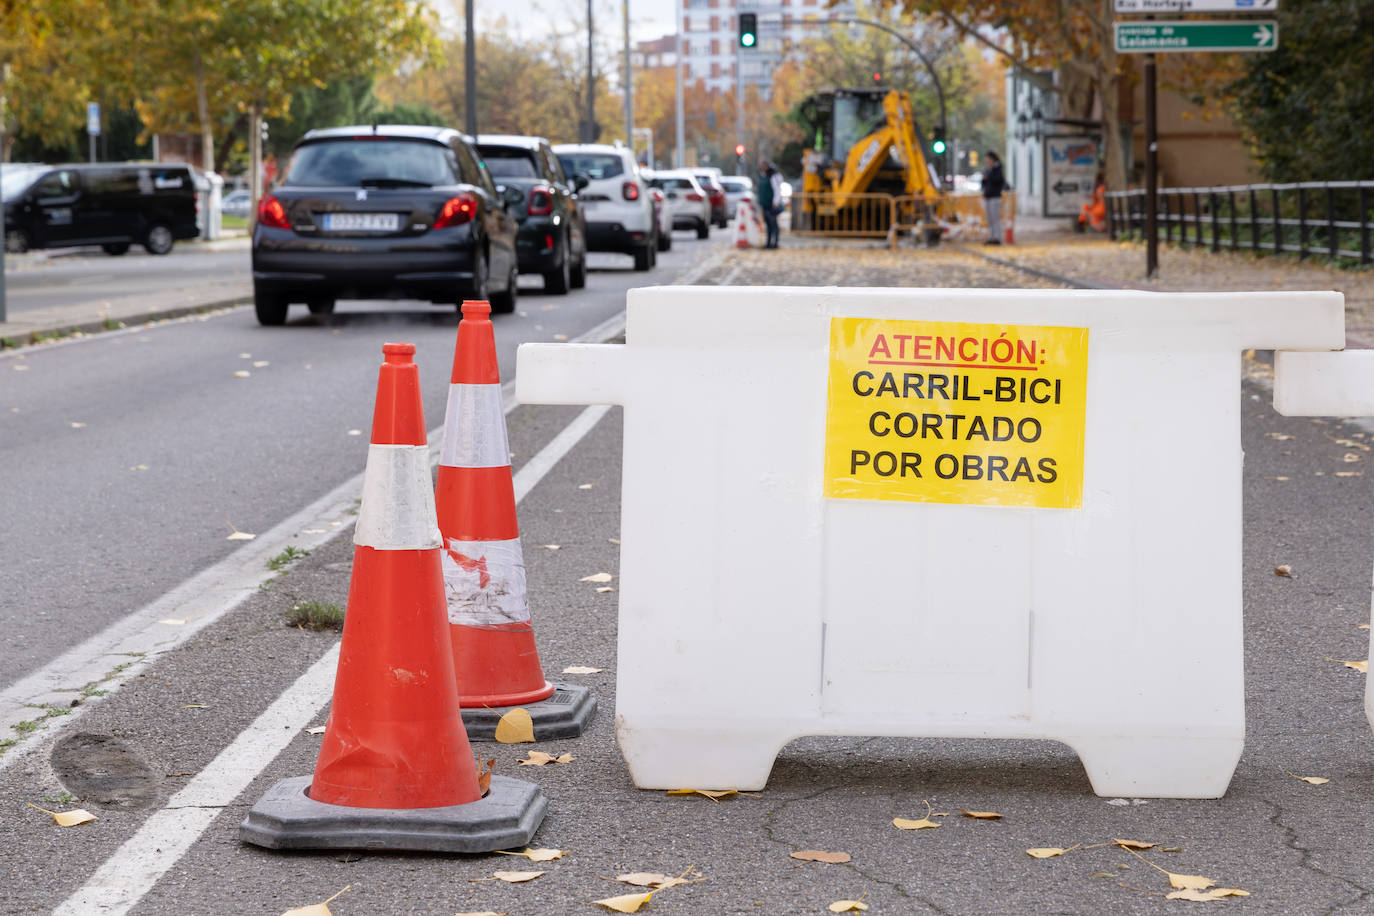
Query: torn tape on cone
[[397, 511], [474, 428], [485, 583]]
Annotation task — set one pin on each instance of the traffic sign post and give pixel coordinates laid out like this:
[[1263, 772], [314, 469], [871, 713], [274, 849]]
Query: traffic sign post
[[1159, 37], [92, 124]]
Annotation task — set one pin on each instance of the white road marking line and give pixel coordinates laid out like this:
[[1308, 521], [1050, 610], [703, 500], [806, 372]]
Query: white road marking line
[[166, 836], [141, 637], [133, 870]]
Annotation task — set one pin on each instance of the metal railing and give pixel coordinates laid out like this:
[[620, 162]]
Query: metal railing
[[852, 215], [1323, 218]]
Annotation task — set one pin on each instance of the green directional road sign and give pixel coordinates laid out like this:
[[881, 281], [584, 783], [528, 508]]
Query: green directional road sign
[[1236, 35]]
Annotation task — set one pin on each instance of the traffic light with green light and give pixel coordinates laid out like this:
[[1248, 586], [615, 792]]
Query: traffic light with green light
[[748, 30], [937, 145]]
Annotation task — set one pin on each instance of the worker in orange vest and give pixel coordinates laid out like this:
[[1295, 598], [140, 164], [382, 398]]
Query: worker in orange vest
[[1094, 212]]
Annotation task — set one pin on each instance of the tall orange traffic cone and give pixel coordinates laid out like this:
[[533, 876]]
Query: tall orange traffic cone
[[395, 770], [495, 657]]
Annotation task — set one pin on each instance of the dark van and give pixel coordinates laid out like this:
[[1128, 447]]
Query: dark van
[[110, 205]]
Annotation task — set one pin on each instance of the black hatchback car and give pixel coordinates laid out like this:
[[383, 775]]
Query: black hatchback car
[[552, 239], [387, 211]]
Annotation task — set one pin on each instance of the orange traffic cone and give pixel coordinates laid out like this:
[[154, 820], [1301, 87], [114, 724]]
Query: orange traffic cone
[[495, 657], [395, 770], [743, 219]]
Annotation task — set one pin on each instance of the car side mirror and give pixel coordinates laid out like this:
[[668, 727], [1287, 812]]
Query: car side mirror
[[580, 181]]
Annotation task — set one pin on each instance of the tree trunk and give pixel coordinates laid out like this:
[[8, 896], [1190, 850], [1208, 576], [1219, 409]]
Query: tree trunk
[[1108, 80], [254, 157], [207, 136]]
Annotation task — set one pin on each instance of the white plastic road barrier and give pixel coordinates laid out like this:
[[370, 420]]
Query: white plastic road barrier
[[942, 513], [1328, 385]]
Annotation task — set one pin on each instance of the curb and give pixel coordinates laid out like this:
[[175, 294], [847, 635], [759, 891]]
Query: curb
[[49, 333], [1036, 272]]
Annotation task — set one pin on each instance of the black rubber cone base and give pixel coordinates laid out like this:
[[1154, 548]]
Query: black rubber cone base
[[287, 818], [565, 714]]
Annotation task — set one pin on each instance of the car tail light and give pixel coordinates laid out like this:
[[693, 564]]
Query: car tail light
[[693, 196], [629, 190], [548, 242], [272, 213], [456, 211], [541, 202]]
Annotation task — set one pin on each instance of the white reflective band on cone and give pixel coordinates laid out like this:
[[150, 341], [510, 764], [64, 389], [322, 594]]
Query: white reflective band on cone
[[397, 512], [485, 582], [474, 428]]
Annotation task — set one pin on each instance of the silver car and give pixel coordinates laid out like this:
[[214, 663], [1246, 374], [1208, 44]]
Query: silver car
[[686, 200], [737, 188]]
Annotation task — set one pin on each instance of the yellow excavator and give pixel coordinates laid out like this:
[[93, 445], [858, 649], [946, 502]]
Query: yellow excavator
[[865, 143]]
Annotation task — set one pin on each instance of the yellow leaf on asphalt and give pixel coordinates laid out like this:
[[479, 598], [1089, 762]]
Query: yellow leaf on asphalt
[[536, 855], [242, 373], [1312, 780], [539, 759], [549, 547], [981, 815], [315, 730], [625, 903], [1358, 666], [196, 706], [847, 906], [1350, 457], [712, 794], [597, 577], [651, 879], [1350, 473], [1133, 844], [582, 669], [515, 727], [1280, 436], [906, 823], [820, 855], [78, 425], [260, 363], [604, 589], [314, 909], [1049, 852], [1204, 896], [1285, 570], [68, 818], [1189, 882], [585, 486], [510, 877]]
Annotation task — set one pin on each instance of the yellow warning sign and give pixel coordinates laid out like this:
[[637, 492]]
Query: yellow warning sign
[[947, 412]]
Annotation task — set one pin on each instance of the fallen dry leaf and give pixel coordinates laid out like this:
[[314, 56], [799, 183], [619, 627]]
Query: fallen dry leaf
[[906, 823], [1049, 852], [820, 855], [315, 730], [1358, 666], [1350, 457], [1203, 896], [314, 909], [582, 669], [536, 855], [1313, 780], [1188, 882], [712, 794], [597, 577], [1133, 844], [539, 759], [653, 879], [625, 903], [981, 815], [1280, 436], [847, 906], [604, 589], [196, 706], [71, 818], [484, 771], [585, 486], [1285, 570], [515, 727], [510, 877], [261, 363], [549, 547], [242, 373], [78, 425]]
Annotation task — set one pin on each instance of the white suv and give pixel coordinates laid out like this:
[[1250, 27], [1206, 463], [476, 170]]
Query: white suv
[[620, 213], [686, 200]]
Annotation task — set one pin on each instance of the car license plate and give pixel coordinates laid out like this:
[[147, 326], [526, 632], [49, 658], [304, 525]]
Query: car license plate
[[361, 222]]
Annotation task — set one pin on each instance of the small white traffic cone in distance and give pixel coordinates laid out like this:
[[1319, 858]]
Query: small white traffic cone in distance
[[742, 224]]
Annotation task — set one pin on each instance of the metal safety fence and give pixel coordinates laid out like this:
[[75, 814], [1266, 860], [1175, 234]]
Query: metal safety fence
[[1323, 218], [954, 216]]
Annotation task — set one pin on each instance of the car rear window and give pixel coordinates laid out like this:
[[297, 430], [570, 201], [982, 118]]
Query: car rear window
[[509, 162], [352, 161], [707, 180], [734, 184], [593, 165], [672, 184]]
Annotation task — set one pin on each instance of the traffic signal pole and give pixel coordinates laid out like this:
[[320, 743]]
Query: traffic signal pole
[[739, 101]]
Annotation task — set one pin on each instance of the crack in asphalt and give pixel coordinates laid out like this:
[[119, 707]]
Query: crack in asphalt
[[771, 817], [1305, 860]]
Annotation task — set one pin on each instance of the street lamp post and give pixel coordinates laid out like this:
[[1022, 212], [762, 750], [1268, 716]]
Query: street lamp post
[[677, 65], [470, 71]]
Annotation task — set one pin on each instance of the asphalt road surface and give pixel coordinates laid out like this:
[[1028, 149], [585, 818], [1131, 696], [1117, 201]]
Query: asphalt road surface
[[147, 758]]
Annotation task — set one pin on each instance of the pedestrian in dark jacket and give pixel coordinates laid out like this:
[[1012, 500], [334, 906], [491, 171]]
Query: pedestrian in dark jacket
[[994, 183]]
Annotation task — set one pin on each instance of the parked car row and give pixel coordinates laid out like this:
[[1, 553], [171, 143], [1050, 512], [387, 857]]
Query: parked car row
[[395, 211]]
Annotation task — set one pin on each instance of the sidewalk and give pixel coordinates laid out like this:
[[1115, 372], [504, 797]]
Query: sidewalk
[[108, 314]]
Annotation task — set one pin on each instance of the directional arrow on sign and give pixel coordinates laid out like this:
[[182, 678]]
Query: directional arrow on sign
[[1263, 36], [1063, 187]]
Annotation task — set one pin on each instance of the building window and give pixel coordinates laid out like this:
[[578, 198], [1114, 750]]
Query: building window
[[715, 45], [686, 48], [715, 70], [715, 23]]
